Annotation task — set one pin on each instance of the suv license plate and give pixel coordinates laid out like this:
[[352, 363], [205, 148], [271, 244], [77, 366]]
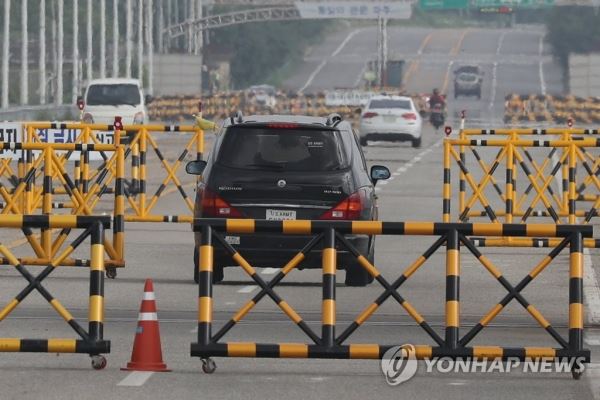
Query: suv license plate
[[389, 118], [280, 215]]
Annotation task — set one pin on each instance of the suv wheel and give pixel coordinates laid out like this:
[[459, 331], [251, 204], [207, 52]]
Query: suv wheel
[[218, 266], [363, 141], [416, 142], [356, 275]]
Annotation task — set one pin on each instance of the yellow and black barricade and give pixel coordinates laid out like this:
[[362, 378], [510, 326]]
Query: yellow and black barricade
[[569, 149], [90, 342], [329, 236], [140, 201]]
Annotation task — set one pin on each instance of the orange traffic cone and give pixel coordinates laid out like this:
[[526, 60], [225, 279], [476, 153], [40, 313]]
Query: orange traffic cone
[[147, 353]]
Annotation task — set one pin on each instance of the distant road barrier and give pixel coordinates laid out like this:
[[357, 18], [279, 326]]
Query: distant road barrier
[[330, 235], [89, 342], [538, 193]]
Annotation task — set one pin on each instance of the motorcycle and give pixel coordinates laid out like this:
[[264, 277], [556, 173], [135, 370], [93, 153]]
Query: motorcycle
[[436, 117]]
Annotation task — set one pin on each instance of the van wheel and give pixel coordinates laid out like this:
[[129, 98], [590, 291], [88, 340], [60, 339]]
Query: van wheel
[[217, 269], [356, 275], [416, 142]]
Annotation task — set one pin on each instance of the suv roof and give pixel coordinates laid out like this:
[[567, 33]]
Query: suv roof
[[115, 81], [293, 119]]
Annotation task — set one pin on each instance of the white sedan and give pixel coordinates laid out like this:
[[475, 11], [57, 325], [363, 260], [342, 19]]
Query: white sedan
[[391, 118]]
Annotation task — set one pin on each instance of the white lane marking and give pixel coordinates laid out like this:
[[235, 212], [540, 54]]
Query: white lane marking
[[322, 64], [313, 74], [494, 84], [541, 64], [457, 383], [500, 42], [269, 271], [592, 340], [409, 164], [248, 289], [360, 76], [345, 42], [591, 291], [136, 378]]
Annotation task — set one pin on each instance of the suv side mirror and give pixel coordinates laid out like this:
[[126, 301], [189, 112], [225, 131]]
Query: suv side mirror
[[379, 172], [148, 99], [195, 167]]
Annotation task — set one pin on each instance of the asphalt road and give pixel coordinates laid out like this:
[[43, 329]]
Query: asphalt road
[[163, 252]]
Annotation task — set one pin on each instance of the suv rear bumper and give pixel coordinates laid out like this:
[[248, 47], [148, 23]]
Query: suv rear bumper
[[274, 251]]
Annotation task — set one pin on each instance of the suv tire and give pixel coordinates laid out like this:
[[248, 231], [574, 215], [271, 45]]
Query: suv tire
[[363, 141], [416, 142], [356, 275]]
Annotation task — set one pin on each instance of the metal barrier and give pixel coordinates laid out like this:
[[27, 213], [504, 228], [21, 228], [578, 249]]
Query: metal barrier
[[25, 197], [140, 201], [91, 341], [329, 344], [512, 150]]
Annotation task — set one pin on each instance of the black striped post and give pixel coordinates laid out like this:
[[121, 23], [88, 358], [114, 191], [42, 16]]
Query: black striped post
[[452, 289], [205, 265], [96, 303], [329, 271], [576, 292]]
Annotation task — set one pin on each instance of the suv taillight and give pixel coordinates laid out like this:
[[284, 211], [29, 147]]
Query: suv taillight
[[369, 114], [348, 209], [412, 116], [214, 206]]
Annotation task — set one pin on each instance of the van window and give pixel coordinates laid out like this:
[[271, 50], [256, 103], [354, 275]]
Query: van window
[[283, 149], [112, 95]]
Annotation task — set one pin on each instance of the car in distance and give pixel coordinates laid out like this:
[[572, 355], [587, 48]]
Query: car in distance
[[391, 118], [468, 80], [286, 167], [104, 99]]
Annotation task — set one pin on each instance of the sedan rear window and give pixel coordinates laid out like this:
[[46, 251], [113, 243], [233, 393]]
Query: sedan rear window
[[388, 103], [283, 149]]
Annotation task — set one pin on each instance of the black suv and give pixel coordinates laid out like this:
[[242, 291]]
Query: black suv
[[286, 167], [468, 80]]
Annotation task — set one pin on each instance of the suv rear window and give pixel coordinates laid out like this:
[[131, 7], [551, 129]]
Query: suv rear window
[[389, 103], [283, 149]]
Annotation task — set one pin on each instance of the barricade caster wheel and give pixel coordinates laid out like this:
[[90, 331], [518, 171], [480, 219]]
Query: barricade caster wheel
[[208, 365], [99, 362], [111, 273], [576, 373]]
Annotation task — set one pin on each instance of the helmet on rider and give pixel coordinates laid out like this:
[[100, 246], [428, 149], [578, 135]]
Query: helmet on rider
[[436, 91]]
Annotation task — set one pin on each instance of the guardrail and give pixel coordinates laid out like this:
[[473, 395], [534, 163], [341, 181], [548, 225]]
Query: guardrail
[[329, 344], [91, 341]]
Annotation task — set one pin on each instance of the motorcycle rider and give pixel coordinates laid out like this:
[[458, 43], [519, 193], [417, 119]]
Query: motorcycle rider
[[437, 107], [436, 98]]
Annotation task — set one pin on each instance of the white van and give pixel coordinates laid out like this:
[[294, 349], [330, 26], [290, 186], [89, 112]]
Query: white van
[[106, 98]]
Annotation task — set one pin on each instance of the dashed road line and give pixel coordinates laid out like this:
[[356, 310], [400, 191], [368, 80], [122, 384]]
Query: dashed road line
[[322, 64], [248, 289], [269, 271], [136, 378], [541, 65]]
